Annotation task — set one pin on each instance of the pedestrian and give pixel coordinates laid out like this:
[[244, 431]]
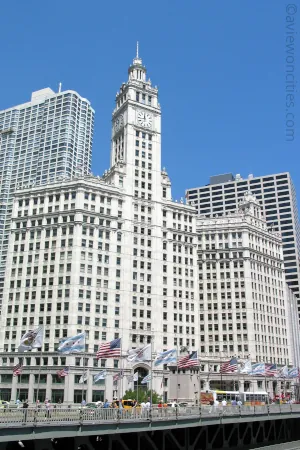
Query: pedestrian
[[48, 409], [25, 410], [83, 403], [211, 404], [18, 403], [233, 402], [224, 402], [239, 403], [216, 405], [133, 409], [160, 410]]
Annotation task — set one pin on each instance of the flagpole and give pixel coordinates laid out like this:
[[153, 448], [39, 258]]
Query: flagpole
[[122, 374], [68, 387], [200, 404], [238, 369], [151, 375], [39, 376], [20, 386], [208, 375], [20, 380], [253, 394], [177, 373], [84, 353], [221, 372], [137, 389]]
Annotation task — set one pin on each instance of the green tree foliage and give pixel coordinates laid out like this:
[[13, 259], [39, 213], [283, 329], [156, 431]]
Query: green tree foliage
[[142, 395]]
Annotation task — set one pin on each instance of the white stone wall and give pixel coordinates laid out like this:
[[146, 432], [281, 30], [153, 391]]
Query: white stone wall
[[154, 295], [249, 293]]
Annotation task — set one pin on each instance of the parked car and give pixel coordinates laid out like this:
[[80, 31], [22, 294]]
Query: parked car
[[4, 404], [90, 408], [91, 405], [126, 404]]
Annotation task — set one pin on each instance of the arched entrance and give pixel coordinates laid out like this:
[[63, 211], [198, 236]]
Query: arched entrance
[[143, 372], [139, 388]]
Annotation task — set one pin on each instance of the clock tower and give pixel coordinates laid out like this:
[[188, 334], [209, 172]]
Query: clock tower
[[136, 133]]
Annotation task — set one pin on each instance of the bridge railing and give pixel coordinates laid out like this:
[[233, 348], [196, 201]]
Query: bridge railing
[[13, 417]]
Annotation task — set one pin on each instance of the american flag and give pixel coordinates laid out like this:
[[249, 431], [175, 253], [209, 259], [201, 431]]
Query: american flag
[[187, 361], [63, 372], [118, 376], [110, 349], [270, 370], [17, 369], [229, 366]]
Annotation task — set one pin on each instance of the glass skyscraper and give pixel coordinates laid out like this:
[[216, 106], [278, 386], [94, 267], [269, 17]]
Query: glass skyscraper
[[48, 138]]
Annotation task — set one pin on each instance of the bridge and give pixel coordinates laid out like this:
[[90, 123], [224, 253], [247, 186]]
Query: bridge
[[190, 428]]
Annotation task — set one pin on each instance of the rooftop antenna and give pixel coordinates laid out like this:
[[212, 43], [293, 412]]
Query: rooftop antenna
[[137, 49], [59, 87]]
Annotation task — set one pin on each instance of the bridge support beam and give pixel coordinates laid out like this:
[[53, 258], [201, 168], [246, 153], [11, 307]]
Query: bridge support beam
[[203, 435]]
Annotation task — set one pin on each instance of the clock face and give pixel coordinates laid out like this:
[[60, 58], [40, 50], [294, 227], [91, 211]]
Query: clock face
[[144, 119], [119, 123]]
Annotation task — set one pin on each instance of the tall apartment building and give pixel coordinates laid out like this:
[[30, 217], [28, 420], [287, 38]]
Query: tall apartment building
[[244, 306], [277, 197], [40, 141], [111, 256]]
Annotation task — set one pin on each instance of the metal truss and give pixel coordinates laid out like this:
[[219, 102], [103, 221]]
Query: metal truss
[[233, 436]]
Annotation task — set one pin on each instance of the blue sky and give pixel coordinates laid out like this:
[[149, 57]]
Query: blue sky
[[219, 65]]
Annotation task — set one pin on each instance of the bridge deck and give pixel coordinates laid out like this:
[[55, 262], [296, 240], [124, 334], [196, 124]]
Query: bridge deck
[[38, 424]]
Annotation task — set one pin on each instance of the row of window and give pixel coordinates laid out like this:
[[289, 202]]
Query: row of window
[[57, 395], [66, 196], [48, 221]]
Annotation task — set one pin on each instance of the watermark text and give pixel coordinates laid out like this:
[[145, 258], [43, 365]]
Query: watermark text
[[290, 71]]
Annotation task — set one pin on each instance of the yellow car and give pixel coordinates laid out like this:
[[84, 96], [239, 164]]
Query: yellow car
[[126, 404]]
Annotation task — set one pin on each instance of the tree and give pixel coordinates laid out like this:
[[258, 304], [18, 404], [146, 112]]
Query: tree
[[142, 395]]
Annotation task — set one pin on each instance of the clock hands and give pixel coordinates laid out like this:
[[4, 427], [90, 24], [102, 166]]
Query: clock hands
[[144, 119]]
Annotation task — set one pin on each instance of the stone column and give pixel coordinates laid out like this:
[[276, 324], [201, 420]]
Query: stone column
[[69, 388], [266, 385], [89, 383], [14, 388], [31, 388], [48, 386], [206, 384]]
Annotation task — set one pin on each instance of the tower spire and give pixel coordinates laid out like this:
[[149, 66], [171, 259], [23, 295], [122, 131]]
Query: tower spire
[[137, 71]]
